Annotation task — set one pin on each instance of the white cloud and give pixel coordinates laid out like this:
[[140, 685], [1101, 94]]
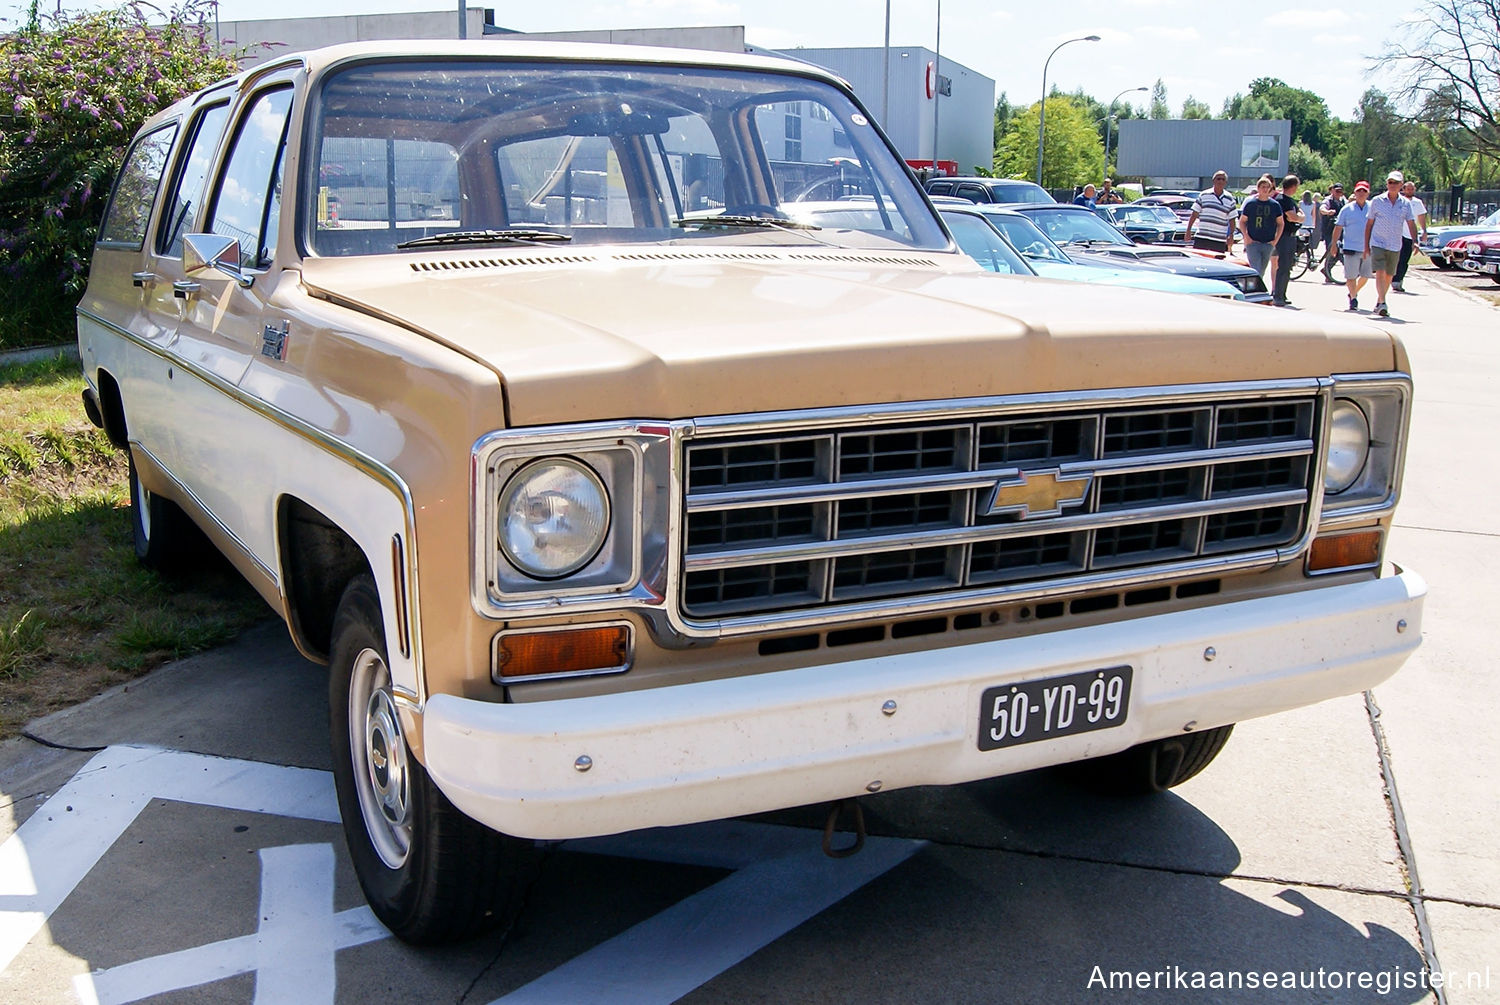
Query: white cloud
[[1167, 33], [1330, 17]]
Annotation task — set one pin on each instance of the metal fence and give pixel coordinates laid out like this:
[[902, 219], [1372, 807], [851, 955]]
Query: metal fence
[[1475, 204]]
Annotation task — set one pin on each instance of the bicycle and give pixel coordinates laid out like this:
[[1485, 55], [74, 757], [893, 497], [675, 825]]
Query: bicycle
[[1305, 258]]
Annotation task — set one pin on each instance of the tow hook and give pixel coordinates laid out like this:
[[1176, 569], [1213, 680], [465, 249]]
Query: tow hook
[[834, 811]]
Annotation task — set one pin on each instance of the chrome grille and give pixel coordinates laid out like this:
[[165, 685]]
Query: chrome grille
[[811, 519]]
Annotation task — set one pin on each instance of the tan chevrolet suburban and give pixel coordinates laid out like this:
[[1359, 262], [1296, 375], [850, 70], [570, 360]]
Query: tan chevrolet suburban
[[614, 495]]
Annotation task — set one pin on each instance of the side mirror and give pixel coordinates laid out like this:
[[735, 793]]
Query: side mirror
[[204, 252]]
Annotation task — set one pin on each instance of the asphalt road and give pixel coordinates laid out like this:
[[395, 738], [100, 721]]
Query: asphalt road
[[195, 855]]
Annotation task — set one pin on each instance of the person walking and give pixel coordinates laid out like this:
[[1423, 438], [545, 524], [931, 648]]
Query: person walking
[[1350, 228], [1390, 217], [1328, 215], [1086, 197], [1419, 213], [1286, 242], [1261, 225], [1311, 228], [1217, 210]]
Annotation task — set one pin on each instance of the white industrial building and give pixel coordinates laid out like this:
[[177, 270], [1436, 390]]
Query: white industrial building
[[924, 97]]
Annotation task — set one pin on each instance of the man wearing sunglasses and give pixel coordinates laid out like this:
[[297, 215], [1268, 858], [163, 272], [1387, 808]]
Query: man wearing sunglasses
[[1389, 220]]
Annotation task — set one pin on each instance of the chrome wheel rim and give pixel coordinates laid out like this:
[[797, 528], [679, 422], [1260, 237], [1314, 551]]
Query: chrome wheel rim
[[381, 767]]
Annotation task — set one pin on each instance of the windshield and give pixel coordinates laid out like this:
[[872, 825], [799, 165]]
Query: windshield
[[508, 153], [983, 243], [1028, 239], [1144, 214], [1065, 226]]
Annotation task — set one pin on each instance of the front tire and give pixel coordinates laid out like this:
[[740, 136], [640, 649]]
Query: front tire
[[431, 874], [1155, 766]]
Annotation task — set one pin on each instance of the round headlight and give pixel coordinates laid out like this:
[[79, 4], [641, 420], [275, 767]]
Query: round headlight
[[1348, 447], [554, 515]]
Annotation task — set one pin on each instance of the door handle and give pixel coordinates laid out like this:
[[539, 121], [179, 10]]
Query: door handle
[[141, 278], [183, 287]]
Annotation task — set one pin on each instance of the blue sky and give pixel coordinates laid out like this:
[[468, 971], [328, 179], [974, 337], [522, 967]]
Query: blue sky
[[1208, 51]]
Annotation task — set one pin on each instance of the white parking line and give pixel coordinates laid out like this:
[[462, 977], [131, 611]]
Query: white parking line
[[780, 879]]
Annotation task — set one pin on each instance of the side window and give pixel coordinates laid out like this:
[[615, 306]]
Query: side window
[[248, 185], [973, 193], [135, 189], [940, 187], [187, 194]]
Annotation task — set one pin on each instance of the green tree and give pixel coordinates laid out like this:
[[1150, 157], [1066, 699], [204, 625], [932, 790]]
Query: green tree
[[1074, 153], [1192, 108], [1308, 112], [1159, 107], [1004, 110], [1306, 163], [1377, 140], [1243, 106], [77, 88]]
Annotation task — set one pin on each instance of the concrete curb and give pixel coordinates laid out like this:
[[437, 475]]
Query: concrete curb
[[12, 357]]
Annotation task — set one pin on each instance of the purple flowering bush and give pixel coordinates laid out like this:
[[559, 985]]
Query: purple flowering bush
[[74, 88]]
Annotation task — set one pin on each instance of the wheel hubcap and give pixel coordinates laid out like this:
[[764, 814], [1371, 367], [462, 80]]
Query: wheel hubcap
[[381, 768]]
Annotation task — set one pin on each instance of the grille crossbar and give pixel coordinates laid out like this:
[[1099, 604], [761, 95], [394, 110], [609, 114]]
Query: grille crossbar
[[807, 519]]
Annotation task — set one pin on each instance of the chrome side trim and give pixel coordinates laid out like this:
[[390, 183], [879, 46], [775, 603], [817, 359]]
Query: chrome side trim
[[234, 538], [363, 462], [969, 535]]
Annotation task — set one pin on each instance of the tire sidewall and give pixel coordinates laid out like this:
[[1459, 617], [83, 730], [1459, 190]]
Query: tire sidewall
[[392, 893]]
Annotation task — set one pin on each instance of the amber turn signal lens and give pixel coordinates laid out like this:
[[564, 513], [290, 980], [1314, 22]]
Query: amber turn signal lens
[[1346, 551], [569, 651]]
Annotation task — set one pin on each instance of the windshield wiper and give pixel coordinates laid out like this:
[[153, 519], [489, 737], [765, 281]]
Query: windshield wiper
[[485, 237], [743, 221]]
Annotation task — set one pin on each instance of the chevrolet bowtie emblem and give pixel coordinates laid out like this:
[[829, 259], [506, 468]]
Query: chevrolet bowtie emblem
[[1037, 493]]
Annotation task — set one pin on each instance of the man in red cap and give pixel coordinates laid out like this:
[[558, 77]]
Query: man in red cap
[[1350, 225]]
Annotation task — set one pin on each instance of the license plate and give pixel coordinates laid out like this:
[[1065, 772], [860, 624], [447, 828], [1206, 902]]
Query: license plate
[[1011, 714], [1489, 267]]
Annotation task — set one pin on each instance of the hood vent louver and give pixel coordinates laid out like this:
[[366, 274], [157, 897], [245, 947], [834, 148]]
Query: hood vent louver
[[674, 255]]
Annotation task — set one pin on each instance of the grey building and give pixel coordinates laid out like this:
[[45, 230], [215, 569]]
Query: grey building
[[1185, 153], [928, 97]]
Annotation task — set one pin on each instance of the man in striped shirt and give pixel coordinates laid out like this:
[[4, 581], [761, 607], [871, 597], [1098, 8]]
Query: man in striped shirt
[[1217, 210]]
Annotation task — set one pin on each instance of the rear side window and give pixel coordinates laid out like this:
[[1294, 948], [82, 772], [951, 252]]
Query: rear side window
[[973, 193], [187, 194], [250, 183], [135, 189]]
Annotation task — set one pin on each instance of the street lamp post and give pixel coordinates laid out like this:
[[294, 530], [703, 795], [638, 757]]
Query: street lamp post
[[1110, 117], [1041, 129]]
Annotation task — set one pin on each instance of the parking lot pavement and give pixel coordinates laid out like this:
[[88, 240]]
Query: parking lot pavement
[[192, 854]]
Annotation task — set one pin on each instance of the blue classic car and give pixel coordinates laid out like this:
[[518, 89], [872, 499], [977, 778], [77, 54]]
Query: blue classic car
[[1145, 224], [1003, 240]]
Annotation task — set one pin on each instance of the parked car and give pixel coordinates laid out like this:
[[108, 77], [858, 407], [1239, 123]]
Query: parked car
[[1481, 253], [1146, 224], [1180, 205], [981, 190], [1022, 240], [1085, 237], [1438, 237], [614, 496]]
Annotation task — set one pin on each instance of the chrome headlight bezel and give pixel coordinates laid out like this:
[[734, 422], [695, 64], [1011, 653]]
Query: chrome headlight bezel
[[1385, 402], [1348, 447], [631, 462]]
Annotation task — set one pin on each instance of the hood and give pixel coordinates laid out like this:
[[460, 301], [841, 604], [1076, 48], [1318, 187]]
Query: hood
[[668, 333]]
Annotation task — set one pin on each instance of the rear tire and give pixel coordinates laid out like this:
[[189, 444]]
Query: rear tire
[[1152, 767], [431, 874], [165, 539]]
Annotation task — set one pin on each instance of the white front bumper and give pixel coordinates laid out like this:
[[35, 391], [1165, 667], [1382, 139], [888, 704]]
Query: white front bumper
[[692, 752]]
